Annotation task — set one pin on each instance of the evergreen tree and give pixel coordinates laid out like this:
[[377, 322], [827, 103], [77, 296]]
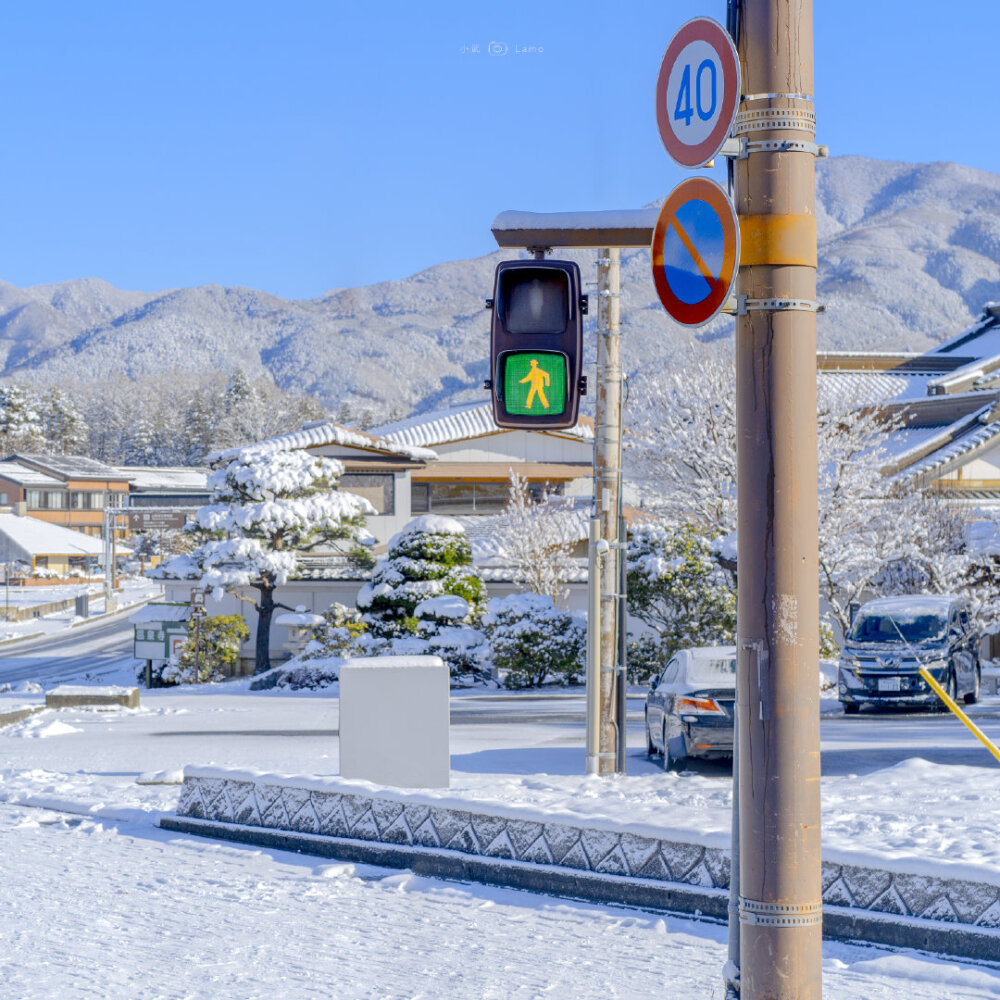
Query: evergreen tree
[[266, 510], [63, 429], [426, 596]]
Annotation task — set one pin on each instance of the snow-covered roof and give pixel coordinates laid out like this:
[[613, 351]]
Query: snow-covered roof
[[26, 476], [324, 432], [70, 466], [976, 438], [981, 340], [161, 613], [460, 423], [871, 388], [39, 538], [143, 477]]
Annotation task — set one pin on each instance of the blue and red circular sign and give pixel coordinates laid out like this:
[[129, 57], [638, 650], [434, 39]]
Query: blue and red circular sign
[[697, 92], [696, 251]]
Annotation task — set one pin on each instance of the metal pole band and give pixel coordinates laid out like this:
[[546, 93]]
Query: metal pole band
[[765, 119], [746, 305], [762, 914], [777, 97]]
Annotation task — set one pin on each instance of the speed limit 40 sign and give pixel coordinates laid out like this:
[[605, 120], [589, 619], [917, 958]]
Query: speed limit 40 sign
[[697, 92]]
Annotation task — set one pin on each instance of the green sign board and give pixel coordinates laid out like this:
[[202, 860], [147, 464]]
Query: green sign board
[[534, 383]]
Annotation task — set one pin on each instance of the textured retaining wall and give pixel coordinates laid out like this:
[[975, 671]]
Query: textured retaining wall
[[862, 902]]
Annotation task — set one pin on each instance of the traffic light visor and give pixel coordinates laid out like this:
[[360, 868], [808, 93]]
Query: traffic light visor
[[534, 383], [534, 300]]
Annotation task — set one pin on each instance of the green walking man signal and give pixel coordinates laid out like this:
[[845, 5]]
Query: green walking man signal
[[536, 344]]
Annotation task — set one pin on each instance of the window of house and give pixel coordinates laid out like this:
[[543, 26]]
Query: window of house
[[4, 499], [420, 498], [459, 498], [55, 499], [378, 488], [41, 562], [35, 499]]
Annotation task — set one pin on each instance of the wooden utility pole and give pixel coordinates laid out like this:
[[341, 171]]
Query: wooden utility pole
[[607, 484], [778, 614]]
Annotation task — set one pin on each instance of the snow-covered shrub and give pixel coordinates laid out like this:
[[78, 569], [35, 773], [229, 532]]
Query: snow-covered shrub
[[425, 597], [532, 640], [676, 586], [340, 634], [310, 675], [645, 657], [218, 649]]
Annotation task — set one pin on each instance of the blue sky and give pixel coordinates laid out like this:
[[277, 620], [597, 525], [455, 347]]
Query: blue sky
[[301, 147]]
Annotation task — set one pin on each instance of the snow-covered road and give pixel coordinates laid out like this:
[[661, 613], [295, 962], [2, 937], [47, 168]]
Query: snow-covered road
[[110, 911]]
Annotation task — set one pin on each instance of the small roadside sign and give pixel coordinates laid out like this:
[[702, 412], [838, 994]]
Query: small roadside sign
[[696, 251], [697, 92]]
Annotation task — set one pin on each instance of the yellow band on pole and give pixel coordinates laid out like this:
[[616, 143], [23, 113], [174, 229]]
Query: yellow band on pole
[[973, 728], [778, 240]]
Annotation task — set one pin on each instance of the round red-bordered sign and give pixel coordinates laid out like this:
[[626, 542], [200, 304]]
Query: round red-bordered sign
[[697, 92], [696, 251]]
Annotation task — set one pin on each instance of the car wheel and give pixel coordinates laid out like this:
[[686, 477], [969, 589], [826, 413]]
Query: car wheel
[[666, 750], [973, 696], [850, 709], [650, 746], [950, 689]]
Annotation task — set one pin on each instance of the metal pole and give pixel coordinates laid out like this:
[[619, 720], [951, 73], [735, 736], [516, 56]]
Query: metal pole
[[780, 887], [594, 648], [107, 558], [731, 974], [607, 479], [621, 714]]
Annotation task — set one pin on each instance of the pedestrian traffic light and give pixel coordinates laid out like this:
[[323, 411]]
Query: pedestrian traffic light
[[536, 344]]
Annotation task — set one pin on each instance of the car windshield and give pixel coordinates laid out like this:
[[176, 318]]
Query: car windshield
[[707, 671], [906, 624]]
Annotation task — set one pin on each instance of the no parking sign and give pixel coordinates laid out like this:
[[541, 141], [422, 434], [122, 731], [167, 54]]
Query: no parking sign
[[696, 251]]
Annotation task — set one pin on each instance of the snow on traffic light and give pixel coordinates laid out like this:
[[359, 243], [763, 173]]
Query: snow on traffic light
[[536, 344]]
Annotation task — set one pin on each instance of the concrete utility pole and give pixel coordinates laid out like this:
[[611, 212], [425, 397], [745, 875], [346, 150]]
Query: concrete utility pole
[[607, 484], [780, 888]]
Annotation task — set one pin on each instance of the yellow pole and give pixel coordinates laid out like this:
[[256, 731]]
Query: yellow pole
[[970, 725]]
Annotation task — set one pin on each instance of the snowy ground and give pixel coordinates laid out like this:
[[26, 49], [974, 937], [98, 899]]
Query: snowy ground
[[133, 589], [103, 903]]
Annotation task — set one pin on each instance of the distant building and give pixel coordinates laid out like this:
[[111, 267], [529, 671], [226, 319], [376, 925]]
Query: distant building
[[166, 486], [49, 548], [68, 490]]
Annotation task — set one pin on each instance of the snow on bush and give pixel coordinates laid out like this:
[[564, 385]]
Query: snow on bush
[[425, 597], [531, 640], [677, 587]]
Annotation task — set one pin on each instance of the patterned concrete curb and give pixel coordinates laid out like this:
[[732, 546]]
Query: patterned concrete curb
[[946, 915]]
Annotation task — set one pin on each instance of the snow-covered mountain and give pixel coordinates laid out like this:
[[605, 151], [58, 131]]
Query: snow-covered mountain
[[908, 255]]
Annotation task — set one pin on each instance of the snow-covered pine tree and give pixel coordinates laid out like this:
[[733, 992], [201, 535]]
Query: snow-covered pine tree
[[19, 425], [426, 595], [63, 428], [267, 509]]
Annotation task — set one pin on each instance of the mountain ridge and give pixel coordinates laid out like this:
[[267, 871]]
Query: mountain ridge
[[908, 256]]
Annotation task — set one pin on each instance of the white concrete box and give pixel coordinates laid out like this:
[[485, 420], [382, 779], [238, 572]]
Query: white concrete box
[[394, 718]]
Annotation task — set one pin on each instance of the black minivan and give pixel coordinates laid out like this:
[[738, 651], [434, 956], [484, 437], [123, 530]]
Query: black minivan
[[892, 637]]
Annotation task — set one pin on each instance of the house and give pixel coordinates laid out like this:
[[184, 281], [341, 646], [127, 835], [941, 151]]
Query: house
[[166, 486], [49, 549], [68, 490], [947, 402], [475, 458]]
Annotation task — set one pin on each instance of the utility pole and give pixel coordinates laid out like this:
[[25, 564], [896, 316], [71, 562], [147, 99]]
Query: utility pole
[[779, 844], [607, 486]]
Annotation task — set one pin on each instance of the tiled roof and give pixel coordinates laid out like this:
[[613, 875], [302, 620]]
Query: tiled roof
[[871, 388], [975, 438], [325, 432], [459, 423]]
